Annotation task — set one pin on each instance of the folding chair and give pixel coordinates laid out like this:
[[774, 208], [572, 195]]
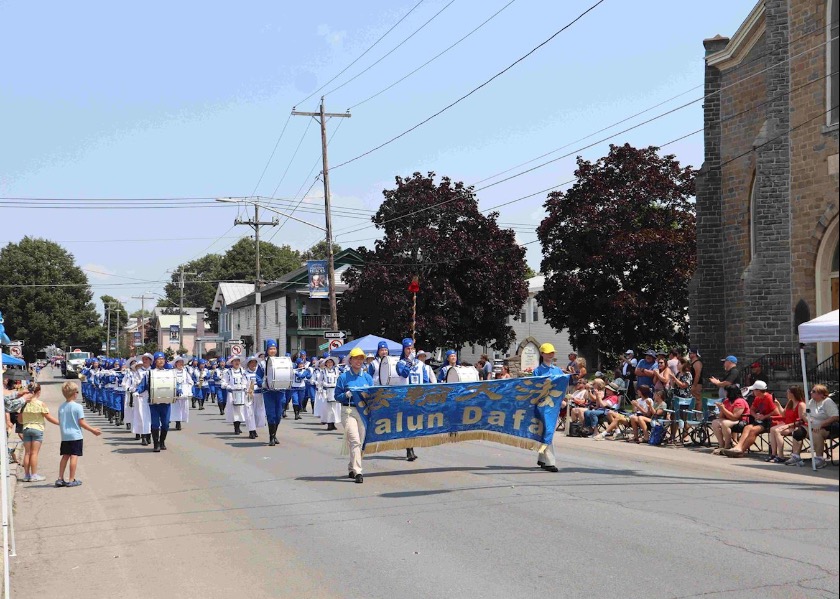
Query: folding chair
[[699, 423]]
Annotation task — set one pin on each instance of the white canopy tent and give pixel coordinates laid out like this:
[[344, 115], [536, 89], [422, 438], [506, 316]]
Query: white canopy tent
[[825, 328]]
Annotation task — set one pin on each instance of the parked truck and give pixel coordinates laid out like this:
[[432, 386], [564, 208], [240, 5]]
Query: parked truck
[[74, 361]]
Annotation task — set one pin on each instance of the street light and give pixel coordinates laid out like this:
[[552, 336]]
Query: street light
[[330, 257]]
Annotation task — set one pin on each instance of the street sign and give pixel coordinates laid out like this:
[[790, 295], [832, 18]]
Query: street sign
[[324, 346], [335, 335], [335, 344], [14, 351], [236, 350], [235, 342]]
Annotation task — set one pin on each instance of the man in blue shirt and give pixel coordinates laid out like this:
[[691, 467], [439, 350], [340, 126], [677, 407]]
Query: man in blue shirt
[[354, 378], [546, 459], [645, 369]]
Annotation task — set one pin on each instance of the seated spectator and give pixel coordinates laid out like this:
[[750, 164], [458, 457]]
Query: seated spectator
[[825, 424], [794, 415], [599, 403], [642, 409], [659, 408], [762, 411], [578, 401], [609, 403], [734, 414]]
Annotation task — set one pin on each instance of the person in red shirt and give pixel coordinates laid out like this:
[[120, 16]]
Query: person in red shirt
[[763, 410], [794, 416], [734, 416]]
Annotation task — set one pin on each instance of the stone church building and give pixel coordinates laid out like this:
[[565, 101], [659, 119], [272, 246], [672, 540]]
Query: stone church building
[[767, 194]]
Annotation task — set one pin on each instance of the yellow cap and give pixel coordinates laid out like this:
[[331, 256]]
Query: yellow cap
[[356, 352], [546, 348]]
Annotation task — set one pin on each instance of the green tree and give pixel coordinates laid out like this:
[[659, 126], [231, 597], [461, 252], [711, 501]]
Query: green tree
[[239, 262], [529, 272], [319, 251], [141, 314], [39, 316], [470, 271], [619, 249], [199, 288]]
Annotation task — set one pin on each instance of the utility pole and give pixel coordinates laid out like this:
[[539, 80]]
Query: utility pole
[[322, 117], [181, 309], [108, 331], [142, 299], [255, 224]]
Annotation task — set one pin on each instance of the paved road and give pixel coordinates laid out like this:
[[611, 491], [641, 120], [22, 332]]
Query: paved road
[[221, 516]]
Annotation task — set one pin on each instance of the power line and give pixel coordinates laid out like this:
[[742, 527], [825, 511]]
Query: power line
[[431, 60], [474, 90], [265, 168], [759, 105], [391, 51], [394, 26], [292, 159]]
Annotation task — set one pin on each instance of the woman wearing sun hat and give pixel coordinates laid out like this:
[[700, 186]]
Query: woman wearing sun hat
[[354, 427]]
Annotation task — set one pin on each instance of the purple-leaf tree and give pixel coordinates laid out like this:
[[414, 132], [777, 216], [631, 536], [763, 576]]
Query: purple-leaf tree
[[471, 272], [619, 249]]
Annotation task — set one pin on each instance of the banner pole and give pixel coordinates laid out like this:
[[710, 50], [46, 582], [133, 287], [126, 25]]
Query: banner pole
[[4, 490]]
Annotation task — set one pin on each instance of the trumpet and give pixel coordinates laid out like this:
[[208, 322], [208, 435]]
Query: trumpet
[[250, 393]]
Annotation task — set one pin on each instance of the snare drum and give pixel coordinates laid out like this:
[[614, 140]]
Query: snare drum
[[461, 374], [388, 371], [163, 386], [279, 373]]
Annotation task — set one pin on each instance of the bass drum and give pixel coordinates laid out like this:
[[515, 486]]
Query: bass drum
[[388, 371], [279, 373], [163, 386], [461, 374]]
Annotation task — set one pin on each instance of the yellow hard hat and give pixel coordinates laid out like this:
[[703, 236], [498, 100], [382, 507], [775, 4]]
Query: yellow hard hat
[[356, 352], [546, 348]]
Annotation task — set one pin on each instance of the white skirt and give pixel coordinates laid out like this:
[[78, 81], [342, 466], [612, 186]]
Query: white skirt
[[128, 413], [180, 410], [320, 404], [141, 423], [258, 417], [332, 412]]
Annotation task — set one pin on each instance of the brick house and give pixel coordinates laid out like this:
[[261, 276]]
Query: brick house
[[767, 194]]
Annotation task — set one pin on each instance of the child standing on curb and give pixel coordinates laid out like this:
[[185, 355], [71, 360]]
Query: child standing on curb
[[71, 418]]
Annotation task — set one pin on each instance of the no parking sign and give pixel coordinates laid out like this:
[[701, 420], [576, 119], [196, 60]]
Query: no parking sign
[[14, 351], [335, 344], [236, 350]]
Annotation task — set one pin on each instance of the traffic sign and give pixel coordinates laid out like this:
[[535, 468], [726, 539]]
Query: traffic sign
[[236, 350], [335, 344], [14, 351], [335, 335]]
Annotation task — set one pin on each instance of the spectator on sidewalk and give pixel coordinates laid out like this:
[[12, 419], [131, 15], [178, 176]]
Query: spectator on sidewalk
[[762, 412], [734, 416], [642, 411], [71, 417], [825, 424], [732, 376], [697, 377], [628, 372], [794, 416], [33, 417], [645, 369]]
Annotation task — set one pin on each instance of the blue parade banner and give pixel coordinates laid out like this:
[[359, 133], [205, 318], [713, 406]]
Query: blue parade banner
[[520, 412], [319, 286]]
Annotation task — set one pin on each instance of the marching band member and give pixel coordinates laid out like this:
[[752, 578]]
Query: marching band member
[[221, 392], [353, 424], [160, 412], [330, 411], [428, 371], [201, 384], [92, 378], [546, 459], [181, 407], [273, 399], [255, 407], [410, 372], [127, 383], [110, 389], [373, 367], [84, 375], [317, 370], [119, 394], [211, 380], [300, 375], [309, 385], [235, 384], [287, 393], [192, 369], [451, 358], [99, 386], [142, 417]]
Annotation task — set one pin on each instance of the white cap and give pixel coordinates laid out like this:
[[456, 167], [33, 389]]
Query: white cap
[[630, 352], [759, 385]]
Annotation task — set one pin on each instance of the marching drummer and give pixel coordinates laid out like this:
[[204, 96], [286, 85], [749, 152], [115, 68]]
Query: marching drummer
[[410, 372], [273, 399], [181, 407], [381, 354], [546, 459], [160, 412], [355, 378], [451, 358]]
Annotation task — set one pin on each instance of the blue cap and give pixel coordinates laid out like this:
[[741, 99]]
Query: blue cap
[[288, 355], [202, 362], [270, 343], [382, 344], [158, 354], [451, 352], [732, 359], [302, 352], [407, 342], [298, 362]]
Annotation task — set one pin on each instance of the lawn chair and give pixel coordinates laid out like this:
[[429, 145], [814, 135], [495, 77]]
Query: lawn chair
[[698, 424]]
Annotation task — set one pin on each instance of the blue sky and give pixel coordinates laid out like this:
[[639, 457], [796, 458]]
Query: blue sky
[[187, 99]]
